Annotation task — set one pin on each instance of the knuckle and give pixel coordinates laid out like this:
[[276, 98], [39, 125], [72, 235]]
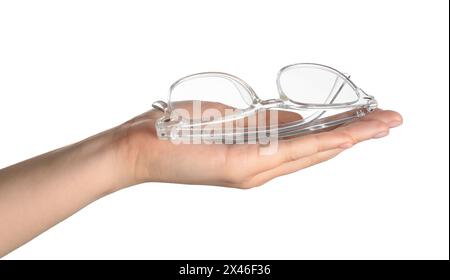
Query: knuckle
[[316, 143], [288, 152], [346, 136], [349, 136], [381, 125]]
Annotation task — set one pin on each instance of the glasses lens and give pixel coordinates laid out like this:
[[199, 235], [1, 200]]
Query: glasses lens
[[311, 84], [218, 95]]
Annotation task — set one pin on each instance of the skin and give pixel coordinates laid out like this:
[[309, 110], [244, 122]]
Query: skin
[[40, 192]]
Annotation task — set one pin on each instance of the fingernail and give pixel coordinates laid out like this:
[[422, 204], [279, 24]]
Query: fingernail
[[381, 134], [394, 123], [346, 145]]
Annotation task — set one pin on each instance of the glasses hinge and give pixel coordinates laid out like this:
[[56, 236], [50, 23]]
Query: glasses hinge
[[160, 105]]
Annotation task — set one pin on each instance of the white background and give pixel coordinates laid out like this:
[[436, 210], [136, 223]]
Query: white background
[[69, 69]]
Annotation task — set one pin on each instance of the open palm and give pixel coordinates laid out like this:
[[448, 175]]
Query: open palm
[[242, 165]]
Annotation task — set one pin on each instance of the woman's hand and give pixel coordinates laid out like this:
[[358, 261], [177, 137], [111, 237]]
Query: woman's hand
[[38, 193], [240, 165]]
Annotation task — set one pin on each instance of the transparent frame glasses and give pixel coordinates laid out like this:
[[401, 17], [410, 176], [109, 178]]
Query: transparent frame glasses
[[316, 116]]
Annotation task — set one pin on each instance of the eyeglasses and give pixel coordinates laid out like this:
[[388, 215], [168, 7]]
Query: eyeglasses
[[322, 96]]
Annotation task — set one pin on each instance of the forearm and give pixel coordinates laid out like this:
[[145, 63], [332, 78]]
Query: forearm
[[40, 192]]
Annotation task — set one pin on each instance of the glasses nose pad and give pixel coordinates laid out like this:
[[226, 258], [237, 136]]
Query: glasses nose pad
[[281, 94]]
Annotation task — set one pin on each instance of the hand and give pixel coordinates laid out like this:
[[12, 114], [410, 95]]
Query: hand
[[242, 165], [39, 192]]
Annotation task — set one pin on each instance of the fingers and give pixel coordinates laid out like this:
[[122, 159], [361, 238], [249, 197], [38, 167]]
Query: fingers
[[246, 161], [363, 130], [343, 137], [308, 149], [291, 167], [374, 125], [298, 153], [391, 118], [294, 149]]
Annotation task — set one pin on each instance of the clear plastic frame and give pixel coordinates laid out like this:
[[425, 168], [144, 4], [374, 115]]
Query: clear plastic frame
[[321, 97]]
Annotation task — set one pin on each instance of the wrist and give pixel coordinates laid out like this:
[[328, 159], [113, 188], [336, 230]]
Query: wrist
[[108, 159], [134, 151]]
